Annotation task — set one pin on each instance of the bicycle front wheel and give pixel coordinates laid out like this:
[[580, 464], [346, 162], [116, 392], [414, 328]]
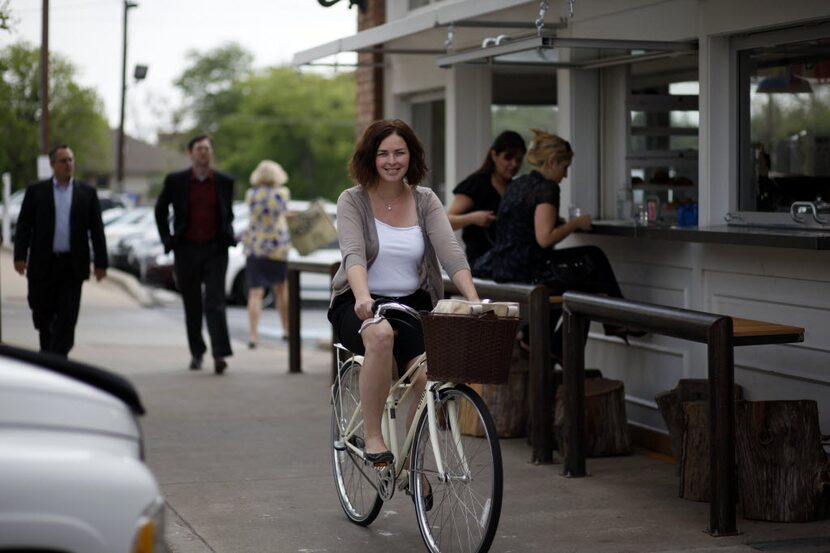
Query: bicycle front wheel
[[462, 514], [355, 482]]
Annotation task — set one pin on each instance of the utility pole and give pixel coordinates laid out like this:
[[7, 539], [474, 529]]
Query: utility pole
[[44, 80], [119, 167]]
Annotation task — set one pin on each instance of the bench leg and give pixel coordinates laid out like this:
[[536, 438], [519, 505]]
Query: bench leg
[[294, 362], [722, 429], [573, 378]]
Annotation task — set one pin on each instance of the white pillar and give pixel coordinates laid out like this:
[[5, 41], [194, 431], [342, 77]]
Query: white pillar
[[717, 142], [469, 97], [613, 136], [579, 121]]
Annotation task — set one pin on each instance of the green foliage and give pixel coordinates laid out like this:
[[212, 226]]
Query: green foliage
[[76, 115], [305, 122], [5, 16], [208, 82]]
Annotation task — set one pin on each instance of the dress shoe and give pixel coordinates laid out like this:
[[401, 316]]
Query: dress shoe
[[195, 363], [219, 365], [251, 345]]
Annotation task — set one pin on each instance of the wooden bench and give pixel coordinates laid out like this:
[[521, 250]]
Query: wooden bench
[[294, 337], [536, 303], [720, 333]]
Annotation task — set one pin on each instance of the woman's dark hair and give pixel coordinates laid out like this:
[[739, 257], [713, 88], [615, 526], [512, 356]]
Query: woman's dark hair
[[508, 141], [362, 168]]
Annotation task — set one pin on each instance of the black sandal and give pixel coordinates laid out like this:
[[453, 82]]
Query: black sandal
[[428, 499], [625, 332], [380, 459]]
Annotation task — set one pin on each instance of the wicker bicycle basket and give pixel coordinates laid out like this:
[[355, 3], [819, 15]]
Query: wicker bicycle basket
[[469, 348]]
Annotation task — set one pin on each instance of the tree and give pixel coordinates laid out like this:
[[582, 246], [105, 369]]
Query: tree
[[303, 121], [5, 16], [207, 85], [76, 115]]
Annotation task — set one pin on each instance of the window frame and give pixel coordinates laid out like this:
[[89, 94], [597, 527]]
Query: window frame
[[739, 44]]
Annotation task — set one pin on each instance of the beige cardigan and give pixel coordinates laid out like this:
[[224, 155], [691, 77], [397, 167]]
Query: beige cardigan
[[359, 239]]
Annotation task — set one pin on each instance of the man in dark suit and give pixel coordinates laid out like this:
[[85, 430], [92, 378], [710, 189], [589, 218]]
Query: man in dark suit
[[202, 200], [57, 219]]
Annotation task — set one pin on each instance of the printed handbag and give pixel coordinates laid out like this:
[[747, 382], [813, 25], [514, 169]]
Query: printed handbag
[[311, 229]]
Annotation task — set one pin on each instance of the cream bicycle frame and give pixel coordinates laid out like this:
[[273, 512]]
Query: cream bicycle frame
[[398, 391]]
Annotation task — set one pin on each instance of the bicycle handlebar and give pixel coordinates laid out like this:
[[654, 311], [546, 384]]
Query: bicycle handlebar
[[381, 308]]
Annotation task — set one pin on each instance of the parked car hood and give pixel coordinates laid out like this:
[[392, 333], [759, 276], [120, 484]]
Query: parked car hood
[[31, 397]]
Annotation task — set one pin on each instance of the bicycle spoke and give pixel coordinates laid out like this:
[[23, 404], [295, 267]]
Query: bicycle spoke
[[467, 495], [356, 488]]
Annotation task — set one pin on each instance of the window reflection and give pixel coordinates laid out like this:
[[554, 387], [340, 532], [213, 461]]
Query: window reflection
[[785, 125]]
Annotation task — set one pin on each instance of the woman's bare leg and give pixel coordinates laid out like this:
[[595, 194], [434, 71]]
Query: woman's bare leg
[[375, 379], [254, 310], [281, 296]]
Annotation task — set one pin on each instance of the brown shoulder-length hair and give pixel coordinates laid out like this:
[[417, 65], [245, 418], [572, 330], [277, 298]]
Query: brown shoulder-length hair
[[362, 168]]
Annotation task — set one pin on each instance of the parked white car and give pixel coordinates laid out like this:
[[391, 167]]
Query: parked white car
[[136, 220], [71, 459]]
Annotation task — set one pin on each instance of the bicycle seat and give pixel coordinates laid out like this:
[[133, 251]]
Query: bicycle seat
[[400, 316]]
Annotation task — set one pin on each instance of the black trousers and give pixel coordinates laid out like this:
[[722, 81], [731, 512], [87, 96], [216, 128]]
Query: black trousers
[[600, 279], [55, 301], [200, 275]]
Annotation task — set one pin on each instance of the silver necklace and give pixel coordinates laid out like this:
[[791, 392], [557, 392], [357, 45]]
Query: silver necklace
[[388, 204]]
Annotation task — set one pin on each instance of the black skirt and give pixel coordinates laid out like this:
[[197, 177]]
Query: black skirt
[[408, 344], [261, 272]]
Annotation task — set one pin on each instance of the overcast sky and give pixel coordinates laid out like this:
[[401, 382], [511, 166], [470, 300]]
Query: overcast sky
[[161, 32]]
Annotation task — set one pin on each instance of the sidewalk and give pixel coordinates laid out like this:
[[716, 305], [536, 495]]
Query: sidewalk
[[244, 459]]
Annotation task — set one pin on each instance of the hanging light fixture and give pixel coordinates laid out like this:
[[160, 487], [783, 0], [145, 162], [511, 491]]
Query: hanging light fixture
[[788, 83]]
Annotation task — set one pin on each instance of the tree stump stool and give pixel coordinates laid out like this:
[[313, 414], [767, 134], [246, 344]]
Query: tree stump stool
[[693, 460], [507, 403], [670, 404], [606, 425], [783, 470]]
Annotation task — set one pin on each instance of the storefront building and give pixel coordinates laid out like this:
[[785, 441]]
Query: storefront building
[[707, 112]]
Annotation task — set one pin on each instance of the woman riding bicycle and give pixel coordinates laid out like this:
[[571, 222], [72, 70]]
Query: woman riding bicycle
[[393, 234]]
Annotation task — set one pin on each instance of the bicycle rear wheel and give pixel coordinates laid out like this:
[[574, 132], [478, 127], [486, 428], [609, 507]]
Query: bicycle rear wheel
[[466, 497], [355, 482]]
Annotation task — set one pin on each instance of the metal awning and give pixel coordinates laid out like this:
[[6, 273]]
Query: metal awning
[[469, 15], [544, 48], [462, 33]]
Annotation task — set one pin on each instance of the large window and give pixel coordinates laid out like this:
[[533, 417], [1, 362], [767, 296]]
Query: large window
[[784, 123]]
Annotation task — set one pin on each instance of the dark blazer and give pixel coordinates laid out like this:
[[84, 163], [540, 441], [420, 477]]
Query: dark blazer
[[176, 192], [35, 232]]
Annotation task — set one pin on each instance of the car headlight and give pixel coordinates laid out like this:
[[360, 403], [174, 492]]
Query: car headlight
[[149, 534]]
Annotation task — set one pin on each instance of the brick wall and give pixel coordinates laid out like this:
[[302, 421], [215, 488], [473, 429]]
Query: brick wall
[[370, 76]]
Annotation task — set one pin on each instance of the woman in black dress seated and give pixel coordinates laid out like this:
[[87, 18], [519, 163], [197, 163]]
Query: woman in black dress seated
[[476, 199], [530, 227]]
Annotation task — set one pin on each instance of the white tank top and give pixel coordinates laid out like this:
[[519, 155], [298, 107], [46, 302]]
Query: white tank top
[[395, 272]]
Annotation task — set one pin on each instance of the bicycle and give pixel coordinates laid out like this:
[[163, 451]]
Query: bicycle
[[454, 477]]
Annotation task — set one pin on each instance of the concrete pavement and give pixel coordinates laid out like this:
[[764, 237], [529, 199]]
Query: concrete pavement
[[243, 459]]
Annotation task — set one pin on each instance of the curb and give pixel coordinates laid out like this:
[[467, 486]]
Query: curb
[[133, 287], [126, 282]]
